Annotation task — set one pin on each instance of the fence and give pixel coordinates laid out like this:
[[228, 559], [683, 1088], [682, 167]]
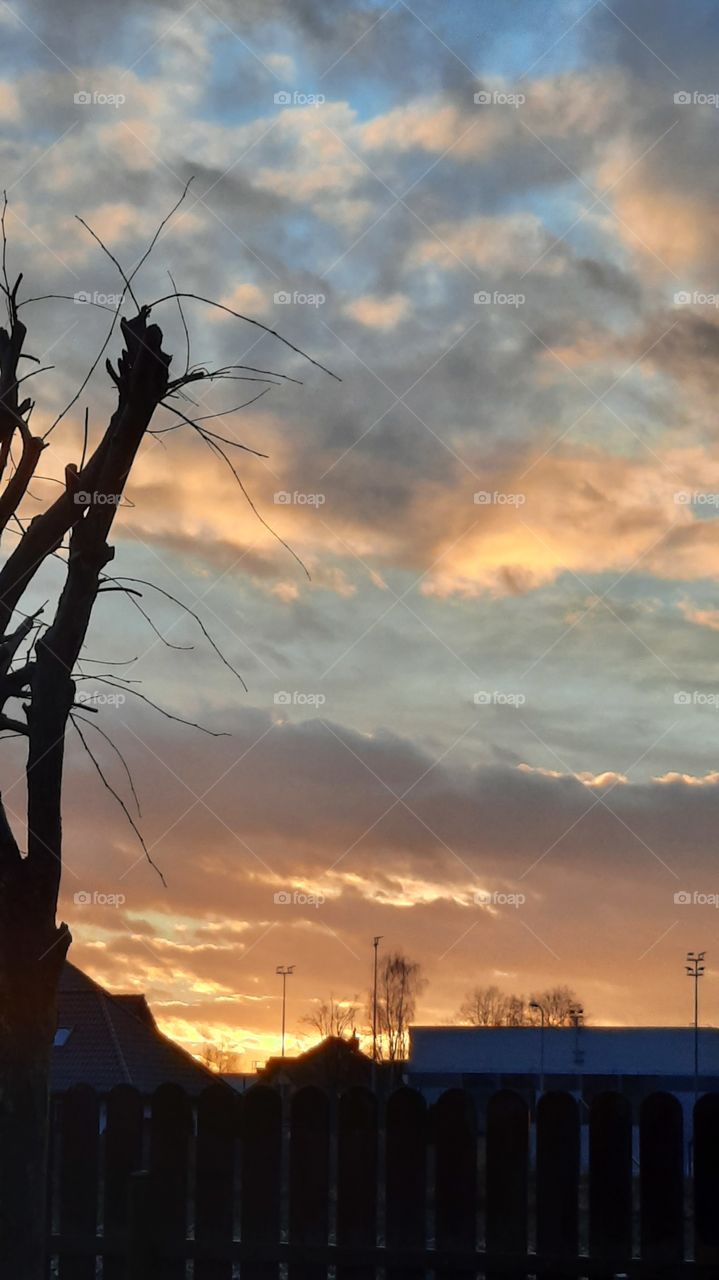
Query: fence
[[268, 1187]]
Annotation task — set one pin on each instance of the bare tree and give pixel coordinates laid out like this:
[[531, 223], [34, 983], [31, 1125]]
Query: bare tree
[[491, 1007], [332, 1017], [220, 1057], [400, 982], [38, 673]]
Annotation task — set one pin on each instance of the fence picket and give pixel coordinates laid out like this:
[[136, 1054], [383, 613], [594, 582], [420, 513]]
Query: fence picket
[[706, 1179], [558, 1150], [610, 1180], [217, 1113], [507, 1177], [454, 1130], [357, 1179], [123, 1157], [406, 1178], [261, 1162], [170, 1129], [78, 1178], [661, 1179], [309, 1177]]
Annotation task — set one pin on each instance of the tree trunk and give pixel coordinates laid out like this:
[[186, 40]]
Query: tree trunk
[[31, 959]]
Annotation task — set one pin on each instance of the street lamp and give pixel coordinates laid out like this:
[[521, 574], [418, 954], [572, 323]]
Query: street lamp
[[375, 943], [534, 1004], [695, 970], [284, 971]]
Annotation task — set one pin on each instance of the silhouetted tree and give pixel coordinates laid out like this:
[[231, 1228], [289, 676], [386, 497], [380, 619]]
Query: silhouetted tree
[[331, 1018], [400, 982], [491, 1007], [220, 1057], [38, 673]]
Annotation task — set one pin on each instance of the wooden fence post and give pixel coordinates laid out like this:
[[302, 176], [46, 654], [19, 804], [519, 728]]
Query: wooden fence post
[[140, 1254], [706, 1179], [454, 1130], [661, 1179], [123, 1157], [557, 1176], [406, 1179], [217, 1113], [309, 1178], [171, 1126], [507, 1179], [357, 1179], [261, 1163], [610, 1180], [79, 1179]]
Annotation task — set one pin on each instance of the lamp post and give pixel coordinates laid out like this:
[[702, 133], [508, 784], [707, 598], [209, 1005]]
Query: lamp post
[[375, 943], [695, 970], [534, 1004], [284, 971]]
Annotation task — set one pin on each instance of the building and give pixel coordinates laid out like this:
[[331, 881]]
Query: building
[[584, 1061], [104, 1040]]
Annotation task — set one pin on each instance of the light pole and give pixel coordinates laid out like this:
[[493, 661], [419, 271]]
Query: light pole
[[695, 970], [284, 971], [534, 1004], [375, 943]]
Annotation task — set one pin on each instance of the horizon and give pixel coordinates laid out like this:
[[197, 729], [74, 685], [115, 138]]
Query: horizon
[[480, 717]]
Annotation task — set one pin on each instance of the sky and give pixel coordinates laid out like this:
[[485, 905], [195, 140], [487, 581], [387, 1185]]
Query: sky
[[483, 722]]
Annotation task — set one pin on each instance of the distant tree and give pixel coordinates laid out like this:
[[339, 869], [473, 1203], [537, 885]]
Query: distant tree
[[331, 1018], [400, 982], [561, 1006], [491, 1007], [220, 1057]]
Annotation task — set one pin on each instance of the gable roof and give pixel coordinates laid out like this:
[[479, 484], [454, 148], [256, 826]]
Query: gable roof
[[115, 1040]]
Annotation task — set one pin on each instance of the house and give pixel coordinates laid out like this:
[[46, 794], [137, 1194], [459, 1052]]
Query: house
[[333, 1063], [104, 1040]]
